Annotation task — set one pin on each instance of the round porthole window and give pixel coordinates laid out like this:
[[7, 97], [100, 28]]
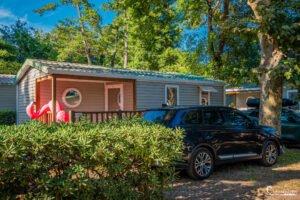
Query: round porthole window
[[72, 97]]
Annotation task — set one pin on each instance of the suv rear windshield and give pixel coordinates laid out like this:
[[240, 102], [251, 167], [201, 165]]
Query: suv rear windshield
[[159, 116]]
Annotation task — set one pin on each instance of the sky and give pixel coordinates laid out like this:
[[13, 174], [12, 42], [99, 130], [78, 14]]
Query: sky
[[11, 10]]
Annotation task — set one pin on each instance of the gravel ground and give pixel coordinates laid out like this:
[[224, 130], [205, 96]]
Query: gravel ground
[[247, 180]]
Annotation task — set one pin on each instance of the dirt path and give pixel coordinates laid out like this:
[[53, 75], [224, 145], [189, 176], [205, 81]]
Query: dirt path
[[245, 180]]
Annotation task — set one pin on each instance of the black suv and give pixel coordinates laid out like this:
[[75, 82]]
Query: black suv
[[216, 135]]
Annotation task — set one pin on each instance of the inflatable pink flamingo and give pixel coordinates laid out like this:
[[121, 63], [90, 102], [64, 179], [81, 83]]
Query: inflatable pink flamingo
[[61, 115]]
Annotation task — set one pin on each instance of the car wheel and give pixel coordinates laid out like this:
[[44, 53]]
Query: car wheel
[[201, 165], [270, 154]]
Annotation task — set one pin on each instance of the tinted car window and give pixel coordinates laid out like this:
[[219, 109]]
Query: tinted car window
[[293, 117], [254, 114], [232, 118], [159, 116], [284, 115], [212, 118], [192, 117]]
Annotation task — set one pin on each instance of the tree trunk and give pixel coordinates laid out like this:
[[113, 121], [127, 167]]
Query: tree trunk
[[211, 48], [271, 85], [125, 41], [223, 33], [86, 46], [116, 47], [216, 51]]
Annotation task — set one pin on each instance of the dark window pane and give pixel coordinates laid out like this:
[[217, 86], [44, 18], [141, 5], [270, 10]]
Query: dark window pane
[[212, 118], [233, 118], [293, 117], [254, 114], [159, 116], [72, 98], [193, 117]]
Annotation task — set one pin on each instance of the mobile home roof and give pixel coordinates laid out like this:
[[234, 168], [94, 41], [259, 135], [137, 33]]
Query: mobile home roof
[[6, 79], [53, 67]]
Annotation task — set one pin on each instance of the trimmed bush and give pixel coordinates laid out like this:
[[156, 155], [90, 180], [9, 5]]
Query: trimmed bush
[[7, 117], [114, 160]]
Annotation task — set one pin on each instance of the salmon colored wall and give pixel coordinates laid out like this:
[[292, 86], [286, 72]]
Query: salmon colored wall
[[92, 94], [45, 92], [128, 94]]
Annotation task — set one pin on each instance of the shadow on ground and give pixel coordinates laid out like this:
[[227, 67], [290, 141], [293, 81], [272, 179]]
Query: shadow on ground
[[247, 180]]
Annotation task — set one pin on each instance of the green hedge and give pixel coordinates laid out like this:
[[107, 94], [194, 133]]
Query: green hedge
[[115, 160], [7, 117]]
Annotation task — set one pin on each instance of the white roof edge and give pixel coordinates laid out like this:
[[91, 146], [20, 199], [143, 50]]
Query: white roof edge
[[242, 89], [208, 89], [22, 72], [25, 67]]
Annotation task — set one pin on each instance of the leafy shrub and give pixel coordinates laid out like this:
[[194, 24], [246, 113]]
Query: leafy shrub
[[7, 117], [114, 160]]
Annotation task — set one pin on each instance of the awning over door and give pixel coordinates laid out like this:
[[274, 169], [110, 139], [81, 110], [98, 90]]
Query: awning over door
[[208, 89]]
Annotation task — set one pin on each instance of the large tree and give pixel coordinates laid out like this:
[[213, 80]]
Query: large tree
[[67, 39], [87, 16], [278, 34], [145, 30], [226, 45]]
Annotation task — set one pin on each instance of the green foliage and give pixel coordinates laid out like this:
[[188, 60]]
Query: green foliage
[[49, 6], [84, 29], [151, 28], [176, 60], [7, 117], [291, 71], [8, 65], [281, 21], [88, 15], [20, 41], [28, 42], [115, 160], [226, 46]]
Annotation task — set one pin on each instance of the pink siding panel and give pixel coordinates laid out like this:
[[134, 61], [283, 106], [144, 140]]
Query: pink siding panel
[[128, 96], [92, 94]]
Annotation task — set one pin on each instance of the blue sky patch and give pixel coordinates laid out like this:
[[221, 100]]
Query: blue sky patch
[[11, 10]]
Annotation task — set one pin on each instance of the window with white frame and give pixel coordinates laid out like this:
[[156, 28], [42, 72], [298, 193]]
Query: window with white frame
[[204, 94], [72, 97], [172, 95], [205, 98]]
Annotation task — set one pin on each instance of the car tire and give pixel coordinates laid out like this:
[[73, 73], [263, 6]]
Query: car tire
[[270, 154], [201, 164]]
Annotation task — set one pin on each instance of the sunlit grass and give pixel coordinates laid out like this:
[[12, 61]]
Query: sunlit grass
[[291, 156]]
